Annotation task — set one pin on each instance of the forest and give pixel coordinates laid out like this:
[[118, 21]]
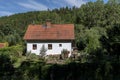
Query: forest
[[97, 37]]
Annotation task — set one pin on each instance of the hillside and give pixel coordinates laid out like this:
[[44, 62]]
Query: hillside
[[93, 21], [97, 37]]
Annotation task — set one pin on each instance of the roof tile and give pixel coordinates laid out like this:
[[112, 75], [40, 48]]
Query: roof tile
[[55, 32], [2, 45]]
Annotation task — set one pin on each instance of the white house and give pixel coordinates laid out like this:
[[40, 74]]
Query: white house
[[54, 37]]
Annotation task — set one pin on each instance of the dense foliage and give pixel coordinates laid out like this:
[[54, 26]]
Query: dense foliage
[[29, 70], [97, 36]]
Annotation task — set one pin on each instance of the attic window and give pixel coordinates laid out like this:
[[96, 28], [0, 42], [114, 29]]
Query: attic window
[[49, 46], [34, 46]]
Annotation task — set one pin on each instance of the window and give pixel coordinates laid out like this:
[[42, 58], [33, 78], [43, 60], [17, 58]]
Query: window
[[60, 45], [49, 46], [34, 46]]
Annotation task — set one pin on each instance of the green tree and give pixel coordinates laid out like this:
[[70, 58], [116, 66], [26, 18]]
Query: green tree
[[6, 67], [43, 51], [89, 39], [112, 42]]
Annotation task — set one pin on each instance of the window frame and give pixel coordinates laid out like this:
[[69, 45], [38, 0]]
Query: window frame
[[60, 45], [50, 46], [34, 46]]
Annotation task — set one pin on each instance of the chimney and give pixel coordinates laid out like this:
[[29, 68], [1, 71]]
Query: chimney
[[48, 23]]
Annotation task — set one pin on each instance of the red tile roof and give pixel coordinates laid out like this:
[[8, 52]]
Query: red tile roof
[[2, 45], [55, 32]]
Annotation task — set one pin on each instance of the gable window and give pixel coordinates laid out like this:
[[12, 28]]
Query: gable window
[[34, 46], [60, 45], [49, 46]]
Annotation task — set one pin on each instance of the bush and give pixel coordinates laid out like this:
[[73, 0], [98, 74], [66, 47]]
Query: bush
[[31, 56], [6, 67], [15, 51], [64, 53]]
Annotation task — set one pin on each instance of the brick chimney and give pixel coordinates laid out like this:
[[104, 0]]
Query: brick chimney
[[48, 23]]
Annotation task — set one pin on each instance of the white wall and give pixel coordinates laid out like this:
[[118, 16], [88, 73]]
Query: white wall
[[55, 47]]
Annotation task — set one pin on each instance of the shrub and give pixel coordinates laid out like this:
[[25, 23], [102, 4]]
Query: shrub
[[43, 51], [64, 53], [32, 56], [6, 67]]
